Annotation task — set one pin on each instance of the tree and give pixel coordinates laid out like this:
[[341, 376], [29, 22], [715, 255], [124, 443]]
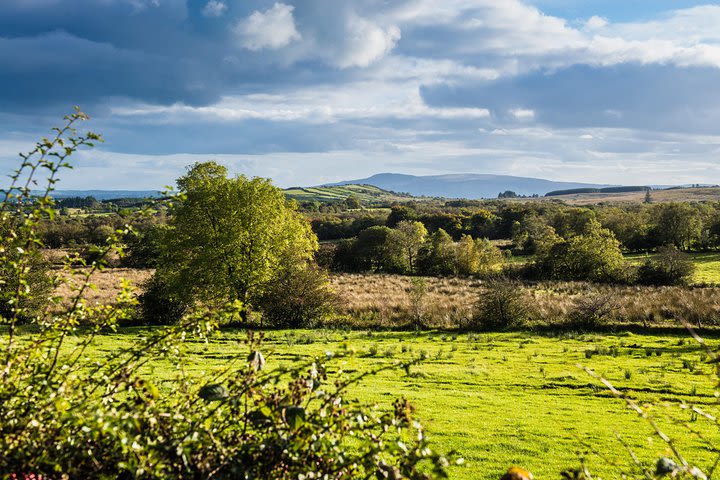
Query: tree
[[408, 237], [593, 256], [669, 267], [677, 224], [227, 237], [370, 251], [437, 257]]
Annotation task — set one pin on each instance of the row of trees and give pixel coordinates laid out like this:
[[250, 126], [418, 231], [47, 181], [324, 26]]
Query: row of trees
[[408, 248]]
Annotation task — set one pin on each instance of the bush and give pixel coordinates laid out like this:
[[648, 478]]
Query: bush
[[500, 306], [158, 305], [300, 296], [592, 311], [669, 267]]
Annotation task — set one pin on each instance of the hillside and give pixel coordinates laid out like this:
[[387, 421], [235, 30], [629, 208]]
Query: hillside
[[702, 194], [468, 185], [366, 194]]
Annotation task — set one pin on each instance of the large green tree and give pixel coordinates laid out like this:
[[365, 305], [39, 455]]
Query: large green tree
[[227, 237]]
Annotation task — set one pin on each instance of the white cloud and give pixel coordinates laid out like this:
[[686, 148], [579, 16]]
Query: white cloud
[[361, 100], [522, 113], [366, 42], [595, 22], [214, 8], [272, 29]]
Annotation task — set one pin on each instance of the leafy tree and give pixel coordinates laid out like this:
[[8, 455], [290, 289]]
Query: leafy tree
[[299, 296], [534, 236], [569, 222], [437, 257], [227, 236], [677, 224], [400, 213], [669, 267], [593, 256], [408, 237], [371, 251]]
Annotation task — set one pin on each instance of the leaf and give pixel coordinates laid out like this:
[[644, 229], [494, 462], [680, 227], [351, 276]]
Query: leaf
[[294, 416], [214, 392]]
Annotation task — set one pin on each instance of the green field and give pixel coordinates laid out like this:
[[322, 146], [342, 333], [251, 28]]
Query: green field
[[707, 265], [504, 399], [366, 194]]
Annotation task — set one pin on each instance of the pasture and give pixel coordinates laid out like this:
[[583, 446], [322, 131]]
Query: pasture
[[504, 399]]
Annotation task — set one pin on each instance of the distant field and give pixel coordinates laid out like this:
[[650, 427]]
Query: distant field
[[658, 196], [366, 194], [507, 399]]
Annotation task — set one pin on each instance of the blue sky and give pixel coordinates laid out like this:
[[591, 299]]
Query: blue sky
[[313, 91]]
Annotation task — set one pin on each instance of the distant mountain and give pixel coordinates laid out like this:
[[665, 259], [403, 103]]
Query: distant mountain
[[105, 194], [465, 185]]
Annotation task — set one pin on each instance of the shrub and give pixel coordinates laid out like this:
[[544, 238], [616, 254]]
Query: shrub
[[501, 305], [669, 267], [594, 255], [159, 305], [592, 311], [300, 296]]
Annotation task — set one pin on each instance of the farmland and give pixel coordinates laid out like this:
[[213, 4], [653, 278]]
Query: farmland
[[505, 398]]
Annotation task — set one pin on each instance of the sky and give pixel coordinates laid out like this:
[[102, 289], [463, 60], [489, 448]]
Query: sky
[[313, 91]]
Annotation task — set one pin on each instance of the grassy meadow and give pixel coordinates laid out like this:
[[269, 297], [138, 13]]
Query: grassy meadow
[[503, 399]]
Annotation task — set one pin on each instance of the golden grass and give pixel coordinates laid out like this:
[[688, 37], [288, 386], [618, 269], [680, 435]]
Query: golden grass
[[106, 284], [658, 196], [385, 301]]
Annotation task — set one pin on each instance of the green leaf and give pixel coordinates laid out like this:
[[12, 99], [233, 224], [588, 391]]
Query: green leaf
[[294, 416], [214, 392]]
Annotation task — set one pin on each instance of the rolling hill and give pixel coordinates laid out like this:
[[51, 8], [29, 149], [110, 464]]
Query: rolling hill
[[366, 194], [467, 185]]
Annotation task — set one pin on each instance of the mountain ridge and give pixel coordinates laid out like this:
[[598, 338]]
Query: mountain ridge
[[464, 185]]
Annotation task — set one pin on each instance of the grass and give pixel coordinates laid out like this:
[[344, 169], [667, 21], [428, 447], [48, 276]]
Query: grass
[[507, 399]]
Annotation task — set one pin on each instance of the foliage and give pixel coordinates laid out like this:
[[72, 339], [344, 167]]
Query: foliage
[[677, 224], [227, 236], [669, 267], [437, 256], [159, 305], [70, 410], [594, 255], [298, 296], [500, 306], [408, 237]]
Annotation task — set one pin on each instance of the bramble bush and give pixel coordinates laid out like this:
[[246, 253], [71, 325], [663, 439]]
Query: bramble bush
[[64, 414]]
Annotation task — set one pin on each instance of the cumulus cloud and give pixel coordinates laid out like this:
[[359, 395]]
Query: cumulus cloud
[[366, 42], [484, 85], [271, 29], [214, 8]]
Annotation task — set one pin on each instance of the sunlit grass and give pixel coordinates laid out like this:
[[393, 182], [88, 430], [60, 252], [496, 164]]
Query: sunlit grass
[[505, 399]]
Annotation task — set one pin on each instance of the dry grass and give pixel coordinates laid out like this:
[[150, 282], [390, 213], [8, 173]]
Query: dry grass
[[106, 284], [658, 196], [385, 301]]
